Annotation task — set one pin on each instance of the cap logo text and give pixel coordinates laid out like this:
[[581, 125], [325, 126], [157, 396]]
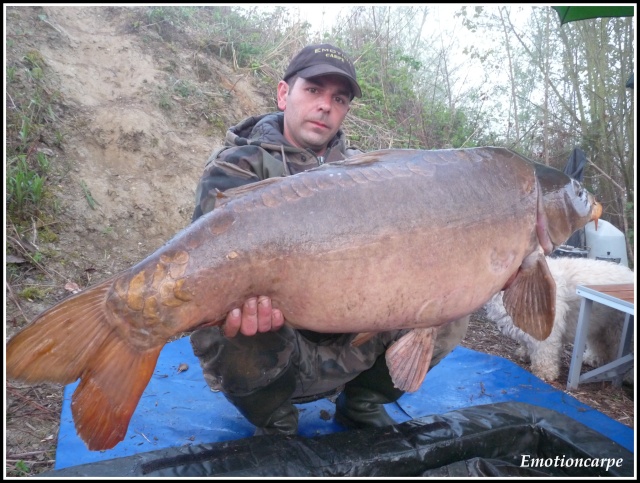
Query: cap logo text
[[334, 54]]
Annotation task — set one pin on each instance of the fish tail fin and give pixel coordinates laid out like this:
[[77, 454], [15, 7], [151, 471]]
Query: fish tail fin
[[59, 344], [75, 340], [109, 392]]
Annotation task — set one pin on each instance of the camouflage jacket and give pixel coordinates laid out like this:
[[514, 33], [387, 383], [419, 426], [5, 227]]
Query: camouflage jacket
[[256, 149]]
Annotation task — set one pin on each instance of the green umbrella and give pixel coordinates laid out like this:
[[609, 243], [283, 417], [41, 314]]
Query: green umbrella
[[574, 13], [571, 14]]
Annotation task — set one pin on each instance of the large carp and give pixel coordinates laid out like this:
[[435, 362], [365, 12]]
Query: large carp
[[385, 240]]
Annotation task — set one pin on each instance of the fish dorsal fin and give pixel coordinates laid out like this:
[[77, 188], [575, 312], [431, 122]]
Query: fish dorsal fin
[[223, 197], [530, 300], [408, 359], [360, 159], [231, 193]]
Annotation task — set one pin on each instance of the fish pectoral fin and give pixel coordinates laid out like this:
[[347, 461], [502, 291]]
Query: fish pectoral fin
[[530, 300], [362, 337], [408, 358]]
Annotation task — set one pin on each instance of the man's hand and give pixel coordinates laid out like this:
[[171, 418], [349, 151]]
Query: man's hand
[[256, 315]]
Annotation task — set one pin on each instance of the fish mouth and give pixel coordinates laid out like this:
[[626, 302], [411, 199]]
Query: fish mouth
[[596, 213]]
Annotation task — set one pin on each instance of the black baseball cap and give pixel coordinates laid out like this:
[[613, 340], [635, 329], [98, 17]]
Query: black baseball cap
[[323, 59]]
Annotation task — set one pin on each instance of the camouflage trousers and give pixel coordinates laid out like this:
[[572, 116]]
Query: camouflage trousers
[[323, 363]]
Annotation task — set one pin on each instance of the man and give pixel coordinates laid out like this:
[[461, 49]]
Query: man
[[260, 364]]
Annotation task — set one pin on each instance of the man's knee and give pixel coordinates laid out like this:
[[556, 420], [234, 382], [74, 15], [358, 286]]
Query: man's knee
[[449, 337], [242, 364]]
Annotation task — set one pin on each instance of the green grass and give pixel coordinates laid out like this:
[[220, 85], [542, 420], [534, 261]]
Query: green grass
[[25, 184], [34, 293], [22, 469], [29, 117], [87, 194], [11, 74]]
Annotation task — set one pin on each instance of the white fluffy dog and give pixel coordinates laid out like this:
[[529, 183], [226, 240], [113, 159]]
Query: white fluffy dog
[[605, 328]]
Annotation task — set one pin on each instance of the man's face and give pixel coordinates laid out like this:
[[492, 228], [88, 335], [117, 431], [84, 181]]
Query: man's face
[[314, 110]]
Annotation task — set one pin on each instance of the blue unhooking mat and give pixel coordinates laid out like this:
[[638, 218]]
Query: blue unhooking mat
[[502, 412]]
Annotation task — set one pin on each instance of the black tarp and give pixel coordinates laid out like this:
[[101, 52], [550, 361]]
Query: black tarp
[[497, 440], [575, 164]]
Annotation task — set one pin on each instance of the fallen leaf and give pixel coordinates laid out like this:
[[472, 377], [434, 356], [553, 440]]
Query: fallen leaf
[[72, 287], [46, 151]]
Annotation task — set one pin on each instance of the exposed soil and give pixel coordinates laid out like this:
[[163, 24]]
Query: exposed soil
[[125, 175], [134, 147]]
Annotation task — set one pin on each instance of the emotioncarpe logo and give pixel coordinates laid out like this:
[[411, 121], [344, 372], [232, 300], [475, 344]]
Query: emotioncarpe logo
[[564, 462]]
